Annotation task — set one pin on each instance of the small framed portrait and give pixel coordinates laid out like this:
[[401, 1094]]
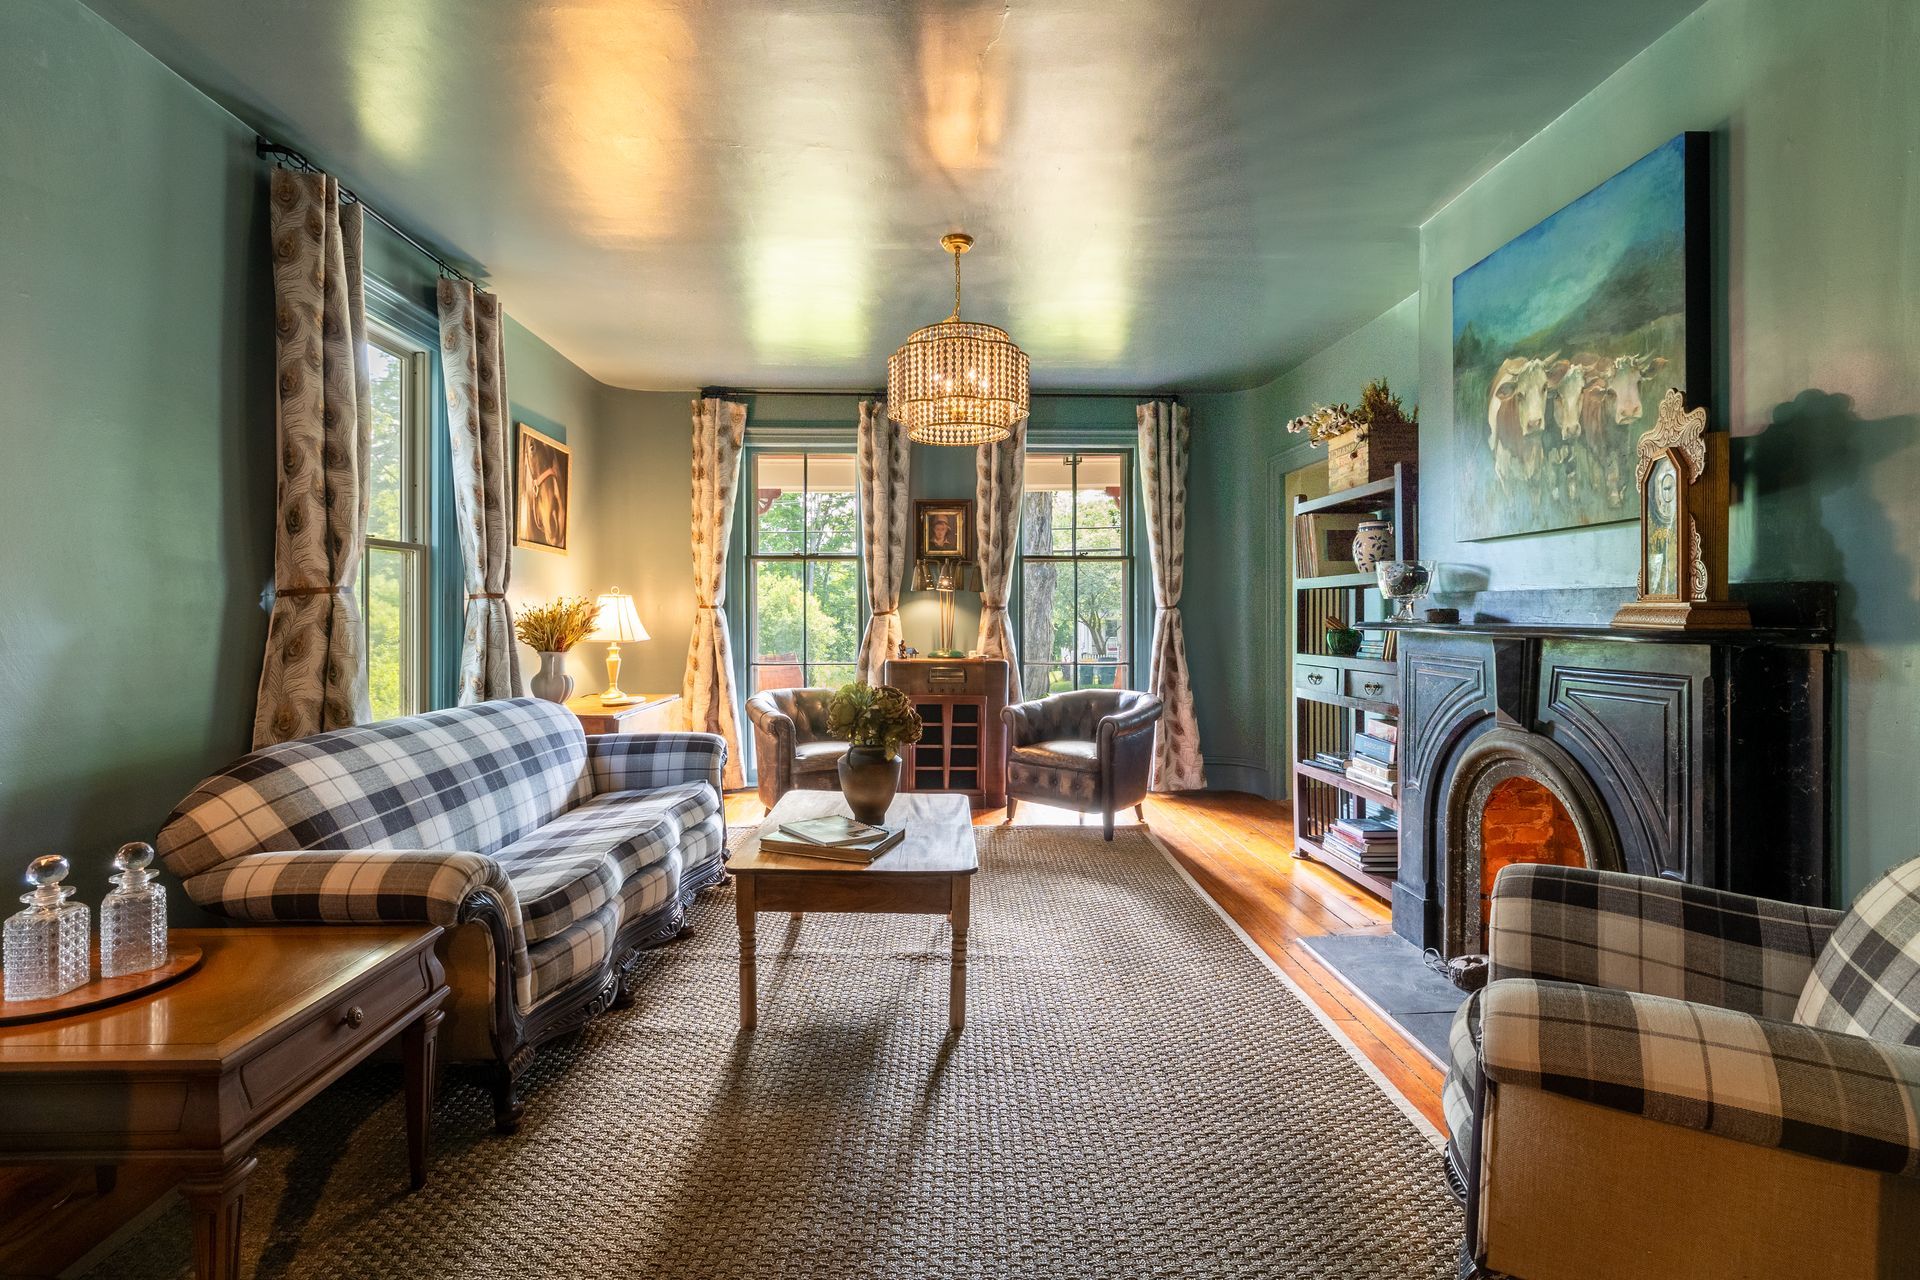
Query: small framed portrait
[[943, 529], [542, 490]]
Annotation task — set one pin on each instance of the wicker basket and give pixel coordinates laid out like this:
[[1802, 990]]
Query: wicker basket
[[1359, 457]]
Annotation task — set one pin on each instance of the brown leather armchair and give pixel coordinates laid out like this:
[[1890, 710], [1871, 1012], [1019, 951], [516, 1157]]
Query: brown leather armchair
[[1088, 750], [791, 742]]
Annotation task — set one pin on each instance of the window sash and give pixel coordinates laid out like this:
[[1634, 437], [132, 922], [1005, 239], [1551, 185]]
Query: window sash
[[806, 659], [413, 548], [1073, 557]]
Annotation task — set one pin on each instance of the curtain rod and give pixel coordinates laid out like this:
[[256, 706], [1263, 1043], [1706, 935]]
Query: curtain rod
[[267, 149], [881, 394]]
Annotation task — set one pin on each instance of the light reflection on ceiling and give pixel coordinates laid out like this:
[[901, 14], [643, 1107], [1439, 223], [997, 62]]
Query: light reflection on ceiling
[[678, 193]]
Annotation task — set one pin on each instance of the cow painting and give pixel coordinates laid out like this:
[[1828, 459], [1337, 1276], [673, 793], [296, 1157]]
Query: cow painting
[[1564, 340]]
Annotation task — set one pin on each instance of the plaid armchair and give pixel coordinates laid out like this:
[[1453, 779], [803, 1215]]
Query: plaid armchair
[[1743, 1075], [549, 856]]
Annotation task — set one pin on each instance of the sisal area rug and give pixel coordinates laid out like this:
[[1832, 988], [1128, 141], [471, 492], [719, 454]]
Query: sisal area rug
[[1135, 1094]]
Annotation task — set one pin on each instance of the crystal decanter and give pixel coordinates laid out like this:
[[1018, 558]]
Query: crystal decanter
[[133, 918], [46, 945]]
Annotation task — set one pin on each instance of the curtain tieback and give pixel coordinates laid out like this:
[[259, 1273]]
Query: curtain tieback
[[884, 613], [306, 591], [486, 595]]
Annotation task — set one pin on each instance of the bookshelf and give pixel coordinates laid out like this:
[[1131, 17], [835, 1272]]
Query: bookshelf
[[1333, 695]]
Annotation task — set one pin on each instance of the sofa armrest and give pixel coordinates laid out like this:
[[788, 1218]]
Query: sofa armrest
[[645, 761], [1757, 1080], [353, 886], [1654, 936]]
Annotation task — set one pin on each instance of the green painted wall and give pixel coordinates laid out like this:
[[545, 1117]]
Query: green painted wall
[[136, 506], [1236, 550], [1814, 110]]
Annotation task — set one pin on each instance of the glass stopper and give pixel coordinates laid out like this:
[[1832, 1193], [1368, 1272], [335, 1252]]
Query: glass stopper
[[45, 874], [134, 856]]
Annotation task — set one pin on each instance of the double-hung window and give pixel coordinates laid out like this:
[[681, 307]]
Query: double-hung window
[[1076, 573], [394, 575], [804, 598]]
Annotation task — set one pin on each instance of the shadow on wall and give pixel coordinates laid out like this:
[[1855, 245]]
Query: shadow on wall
[[1809, 483]]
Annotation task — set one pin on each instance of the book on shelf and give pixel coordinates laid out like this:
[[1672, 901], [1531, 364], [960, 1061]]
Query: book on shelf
[[1372, 774], [1373, 859], [1368, 831], [859, 852], [1380, 749], [1383, 727], [1329, 760]]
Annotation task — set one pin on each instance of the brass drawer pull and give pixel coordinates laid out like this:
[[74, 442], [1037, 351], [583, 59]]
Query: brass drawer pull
[[1316, 678], [1374, 687], [353, 1017]]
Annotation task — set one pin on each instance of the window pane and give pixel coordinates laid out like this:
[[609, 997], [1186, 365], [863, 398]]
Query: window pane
[[778, 596], [830, 677], [1100, 613], [1046, 611], [1038, 680], [386, 479], [778, 504], [389, 630], [833, 526], [1102, 675], [1036, 523], [833, 612], [776, 677]]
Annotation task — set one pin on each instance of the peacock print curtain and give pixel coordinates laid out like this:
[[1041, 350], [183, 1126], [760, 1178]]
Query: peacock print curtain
[[884, 521], [473, 358], [719, 429], [999, 481], [314, 676], [1166, 432]]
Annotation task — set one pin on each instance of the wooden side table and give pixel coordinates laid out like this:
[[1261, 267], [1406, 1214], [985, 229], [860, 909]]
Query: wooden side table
[[195, 1073], [653, 713]]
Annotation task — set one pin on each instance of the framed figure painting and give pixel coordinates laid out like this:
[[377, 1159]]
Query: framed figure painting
[[1566, 338], [943, 529], [542, 491]]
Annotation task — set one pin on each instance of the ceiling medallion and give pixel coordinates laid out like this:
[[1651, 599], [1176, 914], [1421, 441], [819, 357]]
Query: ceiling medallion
[[957, 382]]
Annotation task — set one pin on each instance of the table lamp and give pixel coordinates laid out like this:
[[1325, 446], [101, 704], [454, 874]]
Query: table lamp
[[945, 576], [617, 622]]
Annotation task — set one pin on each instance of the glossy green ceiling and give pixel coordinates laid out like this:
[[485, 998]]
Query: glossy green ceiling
[[1165, 193]]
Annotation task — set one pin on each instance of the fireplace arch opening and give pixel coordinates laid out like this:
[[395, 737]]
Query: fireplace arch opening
[[1515, 797]]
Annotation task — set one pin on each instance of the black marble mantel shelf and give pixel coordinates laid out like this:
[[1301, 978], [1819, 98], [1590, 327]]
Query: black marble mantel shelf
[[1818, 636], [1793, 614]]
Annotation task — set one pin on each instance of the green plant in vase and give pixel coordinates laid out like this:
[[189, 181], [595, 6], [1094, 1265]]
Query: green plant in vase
[[874, 722]]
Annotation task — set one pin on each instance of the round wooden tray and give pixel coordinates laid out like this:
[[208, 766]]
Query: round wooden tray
[[181, 961]]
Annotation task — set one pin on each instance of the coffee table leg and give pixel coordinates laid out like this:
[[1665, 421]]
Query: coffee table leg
[[743, 903], [957, 981], [215, 1198], [418, 1044]]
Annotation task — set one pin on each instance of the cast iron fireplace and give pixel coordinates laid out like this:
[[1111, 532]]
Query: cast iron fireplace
[[1699, 757]]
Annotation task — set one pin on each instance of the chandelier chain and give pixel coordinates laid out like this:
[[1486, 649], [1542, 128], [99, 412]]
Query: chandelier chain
[[956, 286]]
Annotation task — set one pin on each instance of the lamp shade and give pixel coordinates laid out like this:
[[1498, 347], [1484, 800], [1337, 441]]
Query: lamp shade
[[945, 574], [618, 622]]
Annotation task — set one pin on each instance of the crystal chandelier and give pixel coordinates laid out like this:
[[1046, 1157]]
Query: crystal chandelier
[[957, 382]]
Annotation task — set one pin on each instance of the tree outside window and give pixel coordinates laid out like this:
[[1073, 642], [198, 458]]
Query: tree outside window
[[1076, 573]]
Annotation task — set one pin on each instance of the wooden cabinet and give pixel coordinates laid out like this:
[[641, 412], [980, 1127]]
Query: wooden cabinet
[[963, 744], [653, 713]]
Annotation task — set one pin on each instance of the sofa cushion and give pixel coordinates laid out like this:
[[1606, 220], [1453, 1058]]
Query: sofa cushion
[[818, 757], [581, 949], [576, 864], [469, 779], [686, 805], [1867, 979], [1061, 753]]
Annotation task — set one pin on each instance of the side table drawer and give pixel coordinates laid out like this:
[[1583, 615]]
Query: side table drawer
[[1372, 686], [1313, 677], [344, 1029]]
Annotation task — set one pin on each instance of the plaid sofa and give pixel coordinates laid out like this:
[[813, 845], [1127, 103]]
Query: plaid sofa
[[570, 851], [1791, 1029]]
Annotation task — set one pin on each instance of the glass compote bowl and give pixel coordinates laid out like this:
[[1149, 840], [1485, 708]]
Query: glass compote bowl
[[1405, 581]]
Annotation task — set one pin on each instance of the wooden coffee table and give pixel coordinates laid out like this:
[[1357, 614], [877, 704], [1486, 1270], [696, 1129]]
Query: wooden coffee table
[[193, 1074], [928, 873]]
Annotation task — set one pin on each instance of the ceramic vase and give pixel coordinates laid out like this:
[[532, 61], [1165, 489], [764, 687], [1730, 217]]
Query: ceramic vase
[[552, 681], [1372, 543], [869, 780]]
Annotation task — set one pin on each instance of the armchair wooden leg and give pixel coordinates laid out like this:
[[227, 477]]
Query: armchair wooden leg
[[1140, 812], [1106, 822], [1013, 807]]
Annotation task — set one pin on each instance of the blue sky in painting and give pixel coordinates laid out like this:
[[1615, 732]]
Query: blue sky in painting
[[1535, 279]]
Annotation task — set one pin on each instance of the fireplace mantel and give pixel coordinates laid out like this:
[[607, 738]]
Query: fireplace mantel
[[1696, 756]]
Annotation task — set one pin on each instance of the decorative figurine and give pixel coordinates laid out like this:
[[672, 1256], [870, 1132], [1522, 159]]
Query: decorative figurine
[[133, 918], [46, 945], [1681, 478]]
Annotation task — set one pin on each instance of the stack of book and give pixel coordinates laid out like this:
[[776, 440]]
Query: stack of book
[[1374, 843], [834, 838], [1375, 751]]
